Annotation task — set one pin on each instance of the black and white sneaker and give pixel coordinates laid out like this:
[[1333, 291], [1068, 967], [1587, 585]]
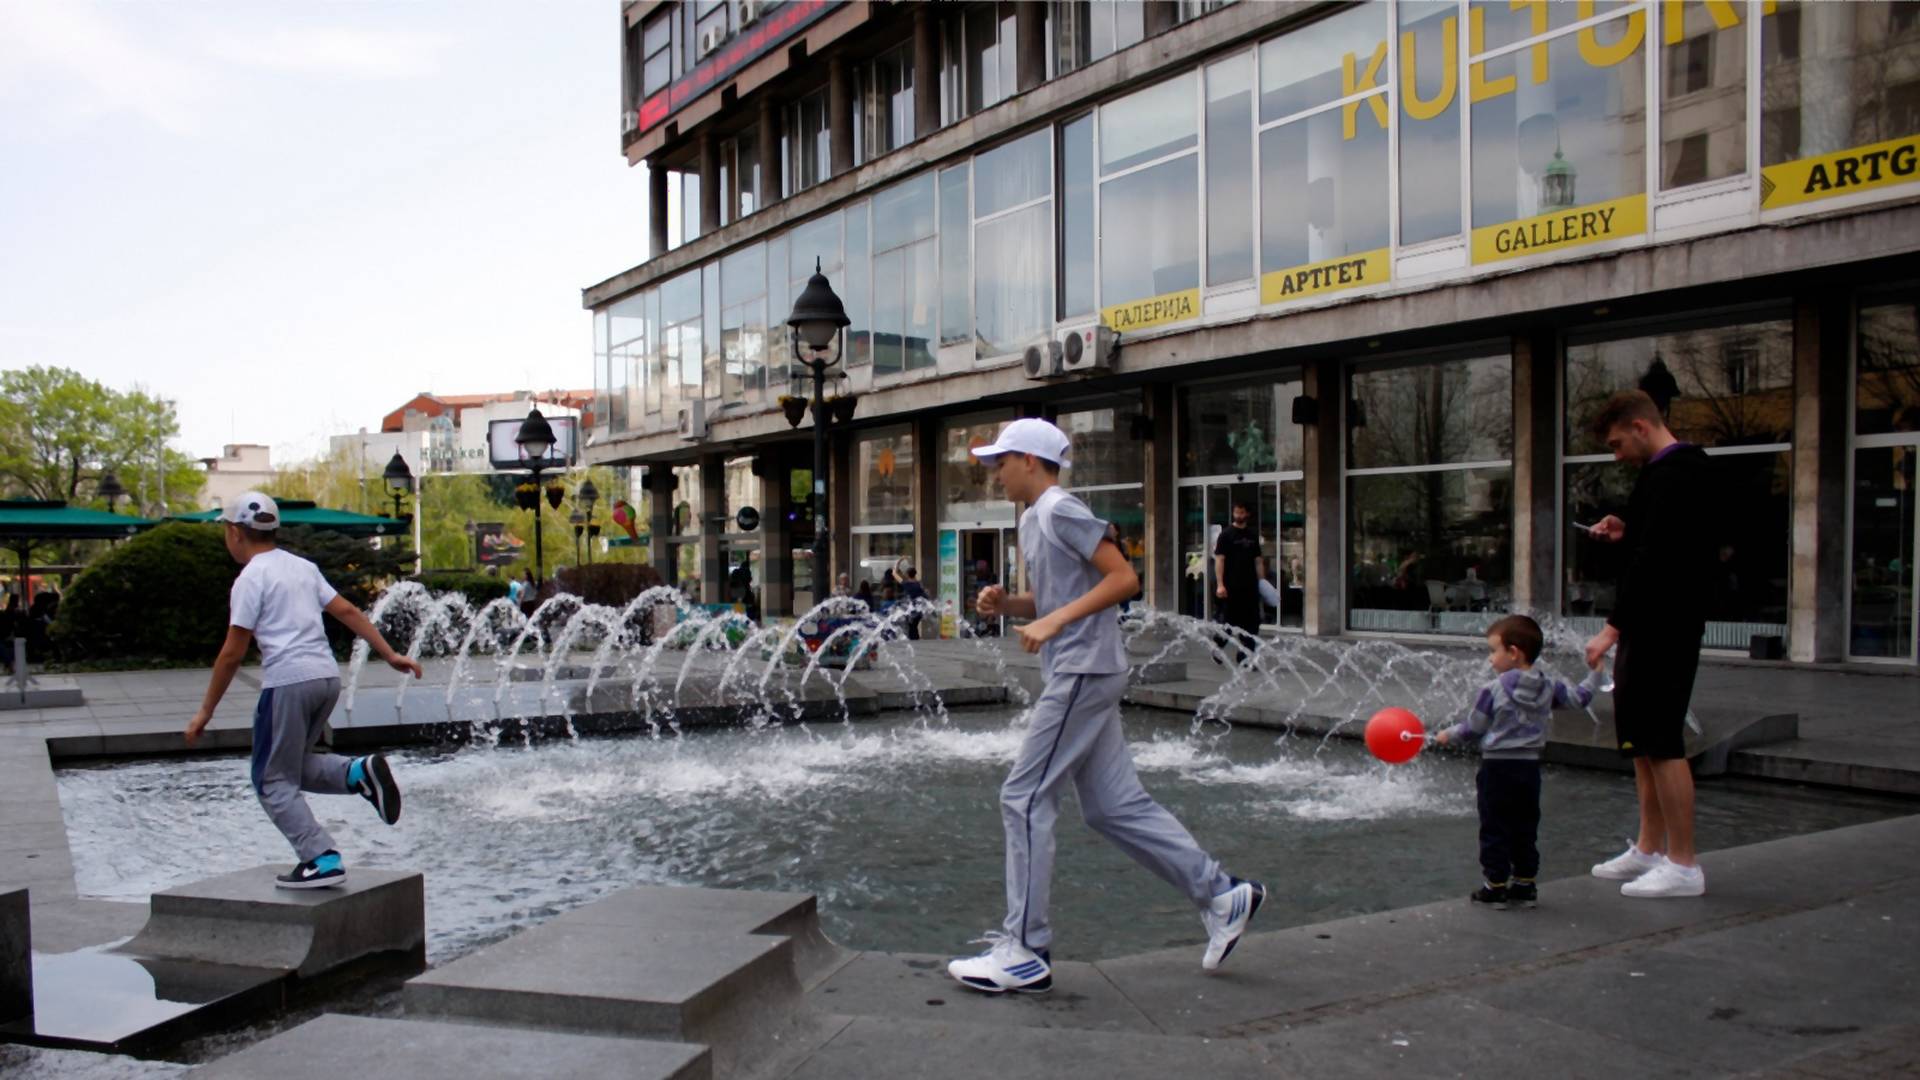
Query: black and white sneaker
[[377, 787], [1226, 920], [320, 872], [1006, 966]]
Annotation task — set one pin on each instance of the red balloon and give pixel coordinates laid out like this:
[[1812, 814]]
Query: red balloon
[[1395, 736]]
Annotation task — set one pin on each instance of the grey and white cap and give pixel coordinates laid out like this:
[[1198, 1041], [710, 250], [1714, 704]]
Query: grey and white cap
[[254, 510], [1029, 436]]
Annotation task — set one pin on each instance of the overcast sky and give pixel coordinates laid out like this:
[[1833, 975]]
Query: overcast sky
[[289, 218]]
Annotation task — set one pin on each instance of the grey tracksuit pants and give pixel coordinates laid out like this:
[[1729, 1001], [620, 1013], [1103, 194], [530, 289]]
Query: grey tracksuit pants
[[1075, 736], [288, 725]]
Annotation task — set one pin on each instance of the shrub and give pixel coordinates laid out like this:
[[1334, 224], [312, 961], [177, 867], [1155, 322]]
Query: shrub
[[479, 589], [161, 595], [612, 584]]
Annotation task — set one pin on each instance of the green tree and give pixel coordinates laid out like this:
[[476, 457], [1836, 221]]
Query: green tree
[[446, 503], [60, 432]]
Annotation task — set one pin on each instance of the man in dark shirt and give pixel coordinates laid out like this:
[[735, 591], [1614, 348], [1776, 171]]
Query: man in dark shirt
[[1657, 623], [1238, 568]]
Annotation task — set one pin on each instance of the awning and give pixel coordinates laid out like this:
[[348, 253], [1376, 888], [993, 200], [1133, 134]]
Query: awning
[[27, 520], [304, 512]]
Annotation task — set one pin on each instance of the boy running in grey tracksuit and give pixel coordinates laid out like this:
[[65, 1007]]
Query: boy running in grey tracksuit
[[1078, 577], [277, 601], [1509, 719]]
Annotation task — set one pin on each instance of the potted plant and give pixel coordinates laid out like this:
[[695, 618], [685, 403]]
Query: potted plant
[[841, 408], [794, 407], [526, 496], [555, 494]]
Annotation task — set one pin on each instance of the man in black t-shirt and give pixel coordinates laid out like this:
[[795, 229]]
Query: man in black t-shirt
[[1238, 568]]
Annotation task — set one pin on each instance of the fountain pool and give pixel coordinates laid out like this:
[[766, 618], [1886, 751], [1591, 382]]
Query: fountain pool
[[893, 823]]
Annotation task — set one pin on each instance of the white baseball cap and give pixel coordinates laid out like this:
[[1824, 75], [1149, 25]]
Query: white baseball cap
[[1029, 436], [254, 510]]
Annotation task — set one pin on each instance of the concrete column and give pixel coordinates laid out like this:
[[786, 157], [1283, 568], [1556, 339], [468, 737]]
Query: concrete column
[[660, 522], [713, 501], [709, 182], [926, 80], [771, 166], [1163, 516], [1817, 590], [1030, 44], [840, 116], [16, 956], [1160, 16], [840, 503], [1536, 488], [776, 533], [926, 502], [1326, 500], [656, 209]]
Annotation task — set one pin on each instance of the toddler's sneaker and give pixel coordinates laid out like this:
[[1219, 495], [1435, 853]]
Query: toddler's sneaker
[[1667, 879], [1627, 865], [1227, 918], [374, 781], [1491, 896], [323, 871], [1522, 892], [1007, 965]]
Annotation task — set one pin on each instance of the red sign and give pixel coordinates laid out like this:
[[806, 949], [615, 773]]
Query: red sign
[[772, 30]]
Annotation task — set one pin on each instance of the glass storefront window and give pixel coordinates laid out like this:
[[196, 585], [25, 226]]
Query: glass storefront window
[[968, 492], [1236, 430], [1076, 217], [1148, 124], [713, 384], [1013, 174], [1887, 382], [1013, 252], [1150, 243], [1429, 120], [1323, 194], [1089, 30], [875, 553], [779, 306], [1340, 55], [905, 296], [812, 148], [860, 330], [1499, 23], [1703, 95], [886, 493], [1724, 385], [1102, 449], [956, 260], [743, 329], [1837, 76], [681, 357], [1575, 137], [1229, 169], [1430, 496]]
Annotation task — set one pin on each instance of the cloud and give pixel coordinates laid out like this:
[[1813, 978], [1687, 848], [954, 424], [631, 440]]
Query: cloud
[[332, 51], [80, 65]]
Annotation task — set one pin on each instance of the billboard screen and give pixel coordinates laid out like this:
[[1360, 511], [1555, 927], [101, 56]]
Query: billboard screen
[[504, 453]]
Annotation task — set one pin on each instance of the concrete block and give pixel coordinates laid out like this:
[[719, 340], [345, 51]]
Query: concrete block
[[95, 1000], [16, 955], [665, 908], [44, 692], [734, 992], [242, 919], [335, 1046]]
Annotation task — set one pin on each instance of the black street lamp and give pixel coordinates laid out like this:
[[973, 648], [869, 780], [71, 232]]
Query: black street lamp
[[817, 324], [110, 489], [579, 522], [399, 480], [535, 440], [588, 496]]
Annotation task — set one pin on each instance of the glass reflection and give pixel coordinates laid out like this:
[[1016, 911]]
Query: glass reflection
[[1429, 120], [1431, 414], [1311, 66], [1322, 195], [1727, 385], [1148, 222]]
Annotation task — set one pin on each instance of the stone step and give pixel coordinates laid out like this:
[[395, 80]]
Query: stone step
[[336, 1046], [664, 908], [243, 919]]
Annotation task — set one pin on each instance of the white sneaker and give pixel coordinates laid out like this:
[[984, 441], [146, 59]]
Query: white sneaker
[[1667, 879], [1627, 865], [1227, 918], [1008, 965]]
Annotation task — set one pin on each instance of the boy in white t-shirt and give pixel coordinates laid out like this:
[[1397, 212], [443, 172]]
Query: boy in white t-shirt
[[1079, 575], [277, 601]]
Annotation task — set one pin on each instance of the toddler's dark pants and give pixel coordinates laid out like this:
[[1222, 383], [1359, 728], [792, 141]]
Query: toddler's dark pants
[[1509, 799]]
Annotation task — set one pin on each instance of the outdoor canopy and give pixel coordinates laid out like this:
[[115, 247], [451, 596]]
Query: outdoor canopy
[[25, 522], [304, 512]]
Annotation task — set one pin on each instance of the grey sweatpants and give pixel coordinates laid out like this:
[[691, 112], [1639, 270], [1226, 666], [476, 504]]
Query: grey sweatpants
[[288, 724], [1075, 736]]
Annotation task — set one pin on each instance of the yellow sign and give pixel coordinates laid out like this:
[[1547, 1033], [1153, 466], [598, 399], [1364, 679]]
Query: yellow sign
[[1580, 225], [1862, 168], [1153, 311], [1333, 275]]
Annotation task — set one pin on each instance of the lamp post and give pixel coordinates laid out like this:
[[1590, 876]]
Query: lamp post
[[589, 495], [817, 322], [110, 490], [535, 440], [399, 480]]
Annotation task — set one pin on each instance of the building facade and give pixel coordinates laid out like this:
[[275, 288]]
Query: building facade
[[1368, 268], [447, 433], [240, 468]]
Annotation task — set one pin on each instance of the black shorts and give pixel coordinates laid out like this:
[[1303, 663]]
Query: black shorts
[[1652, 686]]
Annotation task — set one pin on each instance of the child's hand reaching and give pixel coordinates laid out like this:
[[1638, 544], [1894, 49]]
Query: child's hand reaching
[[403, 663], [1440, 738], [1037, 633], [197, 725]]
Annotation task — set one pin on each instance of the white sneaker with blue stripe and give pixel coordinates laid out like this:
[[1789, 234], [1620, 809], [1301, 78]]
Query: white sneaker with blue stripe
[[1227, 918], [1008, 965]]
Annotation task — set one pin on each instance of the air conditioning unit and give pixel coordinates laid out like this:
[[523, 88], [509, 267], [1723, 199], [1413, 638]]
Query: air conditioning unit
[[750, 10], [710, 39], [1043, 360], [1087, 348], [693, 421]]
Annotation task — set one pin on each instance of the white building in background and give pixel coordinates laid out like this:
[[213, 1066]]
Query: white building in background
[[447, 433], [240, 467]]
